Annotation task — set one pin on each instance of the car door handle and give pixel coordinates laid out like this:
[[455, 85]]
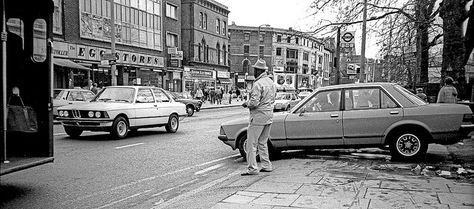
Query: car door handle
[[155, 105], [334, 115], [70, 102], [394, 112]]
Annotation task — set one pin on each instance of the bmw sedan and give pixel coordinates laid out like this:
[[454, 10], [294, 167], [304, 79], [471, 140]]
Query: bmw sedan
[[361, 115], [120, 109], [70, 96]]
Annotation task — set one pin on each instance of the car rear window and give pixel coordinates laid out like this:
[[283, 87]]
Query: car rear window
[[412, 97]]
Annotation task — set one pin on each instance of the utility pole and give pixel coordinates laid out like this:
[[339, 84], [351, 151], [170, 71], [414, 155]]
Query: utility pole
[[113, 70], [362, 51], [338, 55]]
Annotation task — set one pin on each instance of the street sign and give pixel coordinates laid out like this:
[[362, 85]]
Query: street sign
[[172, 50], [178, 55], [108, 56], [348, 37]]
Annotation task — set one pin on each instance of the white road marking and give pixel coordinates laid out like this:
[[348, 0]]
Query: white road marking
[[193, 192], [169, 189], [217, 130], [147, 179], [209, 169], [123, 199], [130, 145]]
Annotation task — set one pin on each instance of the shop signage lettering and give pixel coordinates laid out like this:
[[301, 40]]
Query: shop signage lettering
[[62, 49], [222, 74], [201, 73]]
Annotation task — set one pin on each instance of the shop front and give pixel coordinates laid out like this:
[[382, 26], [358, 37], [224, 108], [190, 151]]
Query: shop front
[[223, 80], [198, 78], [132, 68]]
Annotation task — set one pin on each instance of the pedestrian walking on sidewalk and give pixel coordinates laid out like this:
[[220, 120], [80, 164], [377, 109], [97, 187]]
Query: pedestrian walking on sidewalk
[[448, 93], [260, 103], [199, 94], [219, 95]]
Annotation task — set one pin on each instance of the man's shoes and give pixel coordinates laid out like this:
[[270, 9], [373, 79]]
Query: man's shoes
[[266, 170], [248, 174]]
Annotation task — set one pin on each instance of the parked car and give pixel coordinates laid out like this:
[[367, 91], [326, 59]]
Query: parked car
[[304, 92], [361, 115], [120, 109], [70, 96], [192, 105], [285, 100]]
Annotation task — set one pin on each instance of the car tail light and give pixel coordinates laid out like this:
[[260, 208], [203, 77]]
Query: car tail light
[[468, 118]]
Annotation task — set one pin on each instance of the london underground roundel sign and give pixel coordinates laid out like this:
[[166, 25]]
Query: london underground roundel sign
[[348, 37]]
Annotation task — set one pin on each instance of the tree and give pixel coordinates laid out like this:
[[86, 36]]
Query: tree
[[417, 14], [454, 14]]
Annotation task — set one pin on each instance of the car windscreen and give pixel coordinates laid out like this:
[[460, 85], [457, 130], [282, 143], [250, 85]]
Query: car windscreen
[[58, 93], [88, 95], [412, 97], [282, 97], [112, 94]]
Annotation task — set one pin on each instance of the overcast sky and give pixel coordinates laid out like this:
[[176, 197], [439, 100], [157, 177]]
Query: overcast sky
[[282, 14]]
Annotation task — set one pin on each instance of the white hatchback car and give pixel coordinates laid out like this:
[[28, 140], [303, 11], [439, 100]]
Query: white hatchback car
[[120, 109]]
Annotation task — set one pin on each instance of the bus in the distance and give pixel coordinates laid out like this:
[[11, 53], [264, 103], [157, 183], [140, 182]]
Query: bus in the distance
[[26, 58]]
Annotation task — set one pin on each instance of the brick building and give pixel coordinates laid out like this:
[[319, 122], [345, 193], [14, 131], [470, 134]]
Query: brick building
[[205, 44], [296, 59]]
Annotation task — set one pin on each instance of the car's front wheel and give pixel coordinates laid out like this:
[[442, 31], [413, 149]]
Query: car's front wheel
[[73, 132], [272, 152], [119, 128], [408, 145], [190, 110], [173, 124]]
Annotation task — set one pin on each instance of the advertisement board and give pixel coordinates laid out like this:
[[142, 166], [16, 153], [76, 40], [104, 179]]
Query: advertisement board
[[285, 81]]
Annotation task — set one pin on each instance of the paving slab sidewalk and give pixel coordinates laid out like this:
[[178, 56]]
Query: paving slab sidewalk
[[352, 183]]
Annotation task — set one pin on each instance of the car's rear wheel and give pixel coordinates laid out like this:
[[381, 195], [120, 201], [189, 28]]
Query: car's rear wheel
[[272, 152], [190, 110], [119, 128], [73, 132], [173, 124], [408, 145]]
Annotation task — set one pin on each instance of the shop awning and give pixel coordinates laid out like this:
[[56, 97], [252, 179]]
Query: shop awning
[[68, 63], [225, 81]]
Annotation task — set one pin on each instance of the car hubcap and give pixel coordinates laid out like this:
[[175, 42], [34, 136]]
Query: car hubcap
[[174, 123], [121, 128], [408, 144], [190, 110]]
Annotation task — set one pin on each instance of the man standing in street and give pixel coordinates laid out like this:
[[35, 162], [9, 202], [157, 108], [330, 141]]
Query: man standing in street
[[260, 103]]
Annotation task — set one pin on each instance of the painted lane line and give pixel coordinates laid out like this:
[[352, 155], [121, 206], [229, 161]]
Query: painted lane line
[[146, 179], [211, 131], [193, 192], [209, 169], [130, 145], [169, 189], [123, 199]]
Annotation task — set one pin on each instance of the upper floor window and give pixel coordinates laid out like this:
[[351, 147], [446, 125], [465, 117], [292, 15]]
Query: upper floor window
[[305, 56], [261, 36], [58, 17], [278, 38], [218, 26], [171, 11], [246, 36], [204, 24], [171, 40], [246, 49], [288, 39], [297, 40], [201, 20], [278, 51], [224, 29], [261, 49], [292, 53]]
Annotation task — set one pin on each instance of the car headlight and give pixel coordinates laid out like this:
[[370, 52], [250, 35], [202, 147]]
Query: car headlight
[[90, 114], [66, 113], [61, 113], [97, 114]]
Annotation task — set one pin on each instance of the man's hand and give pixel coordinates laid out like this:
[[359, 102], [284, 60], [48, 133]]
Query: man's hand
[[244, 104]]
